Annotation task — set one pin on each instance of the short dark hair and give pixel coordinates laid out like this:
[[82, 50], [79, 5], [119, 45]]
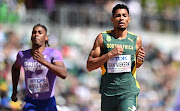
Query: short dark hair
[[46, 42], [40, 26], [119, 6]]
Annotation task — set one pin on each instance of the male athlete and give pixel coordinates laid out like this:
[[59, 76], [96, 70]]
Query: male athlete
[[41, 66], [118, 53]]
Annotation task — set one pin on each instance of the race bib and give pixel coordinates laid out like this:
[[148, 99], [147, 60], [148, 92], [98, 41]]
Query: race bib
[[38, 85], [119, 64]]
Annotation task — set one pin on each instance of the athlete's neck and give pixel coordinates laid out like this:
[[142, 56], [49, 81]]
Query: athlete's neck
[[41, 49], [120, 34]]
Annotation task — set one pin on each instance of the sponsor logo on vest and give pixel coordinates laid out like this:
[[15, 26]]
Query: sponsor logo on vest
[[130, 40], [108, 38]]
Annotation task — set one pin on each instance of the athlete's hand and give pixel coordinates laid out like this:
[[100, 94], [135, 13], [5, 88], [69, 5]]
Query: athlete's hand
[[141, 54], [14, 97], [118, 50], [39, 57]]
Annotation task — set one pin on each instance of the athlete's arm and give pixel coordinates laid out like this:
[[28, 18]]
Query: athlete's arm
[[96, 59], [15, 78], [140, 54], [56, 67]]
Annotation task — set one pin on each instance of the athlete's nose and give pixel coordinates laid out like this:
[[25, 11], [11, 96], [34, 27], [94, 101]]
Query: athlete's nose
[[121, 18]]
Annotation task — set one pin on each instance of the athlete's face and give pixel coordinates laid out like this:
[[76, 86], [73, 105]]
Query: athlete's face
[[38, 36], [121, 19]]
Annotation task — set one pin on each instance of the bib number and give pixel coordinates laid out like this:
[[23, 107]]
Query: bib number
[[38, 85], [119, 64]]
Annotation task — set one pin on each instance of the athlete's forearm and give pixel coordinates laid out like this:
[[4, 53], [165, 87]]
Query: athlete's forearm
[[15, 78], [58, 69], [94, 63]]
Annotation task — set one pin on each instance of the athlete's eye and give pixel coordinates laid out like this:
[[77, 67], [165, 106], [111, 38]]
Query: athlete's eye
[[118, 15], [33, 32], [40, 32], [124, 15]]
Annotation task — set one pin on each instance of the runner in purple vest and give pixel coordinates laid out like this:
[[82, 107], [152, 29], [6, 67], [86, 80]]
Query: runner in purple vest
[[41, 66]]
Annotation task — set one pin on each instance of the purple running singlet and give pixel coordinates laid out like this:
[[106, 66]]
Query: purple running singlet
[[39, 80]]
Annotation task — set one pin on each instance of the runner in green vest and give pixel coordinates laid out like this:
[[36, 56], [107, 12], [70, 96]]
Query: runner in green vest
[[118, 53]]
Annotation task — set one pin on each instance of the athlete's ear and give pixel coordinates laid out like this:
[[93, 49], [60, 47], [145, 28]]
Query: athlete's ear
[[31, 37], [112, 19], [129, 19], [46, 37]]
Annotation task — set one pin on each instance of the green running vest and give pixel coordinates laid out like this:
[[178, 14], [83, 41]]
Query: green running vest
[[121, 83]]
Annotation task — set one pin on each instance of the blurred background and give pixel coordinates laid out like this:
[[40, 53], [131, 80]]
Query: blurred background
[[72, 27]]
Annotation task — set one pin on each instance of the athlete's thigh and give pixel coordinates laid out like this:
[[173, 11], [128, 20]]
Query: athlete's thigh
[[51, 106], [47, 105], [30, 104], [128, 104], [107, 104], [29, 107]]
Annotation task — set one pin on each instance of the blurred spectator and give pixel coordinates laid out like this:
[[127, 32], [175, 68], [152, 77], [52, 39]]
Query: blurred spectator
[[8, 11], [135, 10]]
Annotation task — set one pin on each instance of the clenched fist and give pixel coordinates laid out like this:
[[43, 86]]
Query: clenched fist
[[118, 50]]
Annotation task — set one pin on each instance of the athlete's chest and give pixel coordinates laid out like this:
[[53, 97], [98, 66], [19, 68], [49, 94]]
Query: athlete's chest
[[32, 66], [128, 44]]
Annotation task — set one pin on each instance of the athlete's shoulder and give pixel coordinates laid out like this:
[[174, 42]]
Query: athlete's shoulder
[[130, 33], [54, 54], [52, 51], [106, 32], [49, 49], [23, 54], [137, 38], [25, 51]]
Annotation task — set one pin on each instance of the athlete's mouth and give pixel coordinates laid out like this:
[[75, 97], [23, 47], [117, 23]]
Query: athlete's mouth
[[121, 23], [37, 38]]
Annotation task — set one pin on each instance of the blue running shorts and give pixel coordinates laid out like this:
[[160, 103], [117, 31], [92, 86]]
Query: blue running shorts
[[40, 105]]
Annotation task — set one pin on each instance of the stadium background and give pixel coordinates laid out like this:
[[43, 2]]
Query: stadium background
[[72, 28]]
